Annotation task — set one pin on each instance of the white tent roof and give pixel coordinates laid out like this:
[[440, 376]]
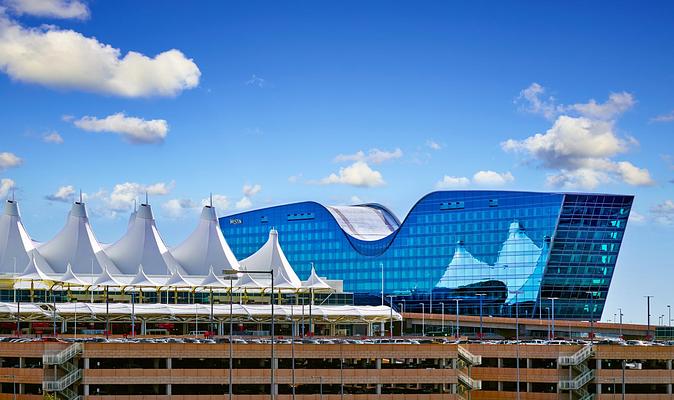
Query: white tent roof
[[464, 270], [70, 278], [177, 280], [270, 257], [142, 280], [105, 279], [333, 313], [142, 244], [76, 245], [33, 271], [315, 282], [212, 281], [206, 246], [15, 243]]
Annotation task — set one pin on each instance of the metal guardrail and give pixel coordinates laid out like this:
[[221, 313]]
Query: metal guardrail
[[577, 357], [63, 383], [471, 383], [60, 357], [577, 382], [471, 358]]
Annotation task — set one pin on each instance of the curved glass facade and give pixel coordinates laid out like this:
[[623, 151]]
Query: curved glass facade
[[513, 247]]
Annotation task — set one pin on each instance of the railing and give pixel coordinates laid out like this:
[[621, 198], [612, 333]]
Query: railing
[[577, 357], [471, 383], [58, 358], [471, 358], [63, 383], [577, 382], [70, 395]]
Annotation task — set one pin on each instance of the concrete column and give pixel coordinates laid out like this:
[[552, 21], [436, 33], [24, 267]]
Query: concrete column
[[669, 387], [86, 366], [528, 366], [275, 388], [20, 386], [499, 384], [143, 327], [598, 369], [168, 389], [378, 367], [221, 328]]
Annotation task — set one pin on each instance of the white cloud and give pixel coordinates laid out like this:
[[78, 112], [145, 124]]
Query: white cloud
[[531, 100], [295, 178], [637, 217], [50, 8], [52, 137], [244, 203], [668, 117], [63, 58], [6, 185], [248, 192], [220, 202], [581, 148], [616, 104], [65, 194], [491, 178], [452, 182], [374, 156], [124, 194], [134, 130], [251, 190], [176, 208], [9, 160], [256, 81], [433, 145], [357, 174], [664, 212]]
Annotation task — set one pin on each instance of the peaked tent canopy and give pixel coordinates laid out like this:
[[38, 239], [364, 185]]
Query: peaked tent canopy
[[212, 281], [270, 257], [142, 244], [76, 245], [316, 283], [15, 243], [142, 280], [206, 246], [33, 271], [105, 279], [70, 278], [178, 281]]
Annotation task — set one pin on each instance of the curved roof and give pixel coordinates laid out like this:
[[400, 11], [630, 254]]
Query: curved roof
[[76, 245], [142, 244], [365, 222], [205, 247], [15, 243], [271, 257]]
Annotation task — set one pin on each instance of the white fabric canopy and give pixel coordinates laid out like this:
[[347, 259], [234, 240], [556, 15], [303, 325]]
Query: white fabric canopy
[[142, 244], [142, 280], [15, 243], [333, 313], [105, 279], [316, 283], [271, 257], [76, 245], [206, 246]]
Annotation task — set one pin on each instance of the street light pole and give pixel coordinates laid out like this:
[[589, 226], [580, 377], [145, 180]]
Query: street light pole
[[457, 317], [648, 312], [591, 293], [481, 295], [442, 321], [390, 302], [423, 319], [620, 310], [552, 312]]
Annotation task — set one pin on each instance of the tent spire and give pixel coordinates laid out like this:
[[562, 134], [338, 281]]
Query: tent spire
[[80, 196], [146, 200], [211, 199]]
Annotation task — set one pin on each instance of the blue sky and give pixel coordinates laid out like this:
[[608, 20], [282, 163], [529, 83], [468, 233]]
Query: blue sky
[[264, 103]]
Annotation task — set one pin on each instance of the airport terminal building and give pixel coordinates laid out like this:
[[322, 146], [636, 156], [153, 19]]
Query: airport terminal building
[[493, 251]]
